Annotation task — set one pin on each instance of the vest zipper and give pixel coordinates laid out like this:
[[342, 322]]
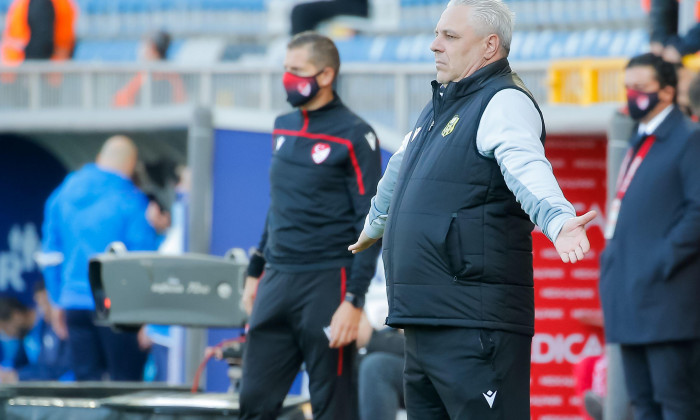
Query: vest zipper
[[438, 100]]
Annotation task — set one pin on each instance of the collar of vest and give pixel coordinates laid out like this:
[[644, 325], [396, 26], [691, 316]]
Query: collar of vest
[[475, 81]]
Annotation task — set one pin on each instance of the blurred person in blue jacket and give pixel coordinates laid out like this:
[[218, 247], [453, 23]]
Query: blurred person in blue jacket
[[41, 355], [93, 207]]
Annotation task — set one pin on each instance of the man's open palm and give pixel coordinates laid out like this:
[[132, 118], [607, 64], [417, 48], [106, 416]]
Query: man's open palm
[[572, 243]]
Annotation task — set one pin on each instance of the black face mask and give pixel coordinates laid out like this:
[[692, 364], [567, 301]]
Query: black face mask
[[300, 89], [640, 104]]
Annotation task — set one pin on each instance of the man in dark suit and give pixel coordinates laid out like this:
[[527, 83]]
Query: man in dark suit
[[650, 270]]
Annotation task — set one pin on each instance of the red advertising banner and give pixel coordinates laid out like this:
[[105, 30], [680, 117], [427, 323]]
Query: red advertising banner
[[567, 293]]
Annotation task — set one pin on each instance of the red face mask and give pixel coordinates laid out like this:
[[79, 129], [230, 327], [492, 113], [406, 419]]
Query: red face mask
[[300, 89]]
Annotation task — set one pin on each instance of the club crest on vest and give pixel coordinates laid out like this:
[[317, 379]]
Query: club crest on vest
[[320, 152], [450, 126]]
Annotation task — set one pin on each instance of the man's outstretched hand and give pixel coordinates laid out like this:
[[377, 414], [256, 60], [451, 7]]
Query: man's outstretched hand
[[363, 242], [572, 243]]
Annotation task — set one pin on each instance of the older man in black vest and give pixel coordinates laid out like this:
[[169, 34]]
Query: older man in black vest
[[455, 200], [650, 269]]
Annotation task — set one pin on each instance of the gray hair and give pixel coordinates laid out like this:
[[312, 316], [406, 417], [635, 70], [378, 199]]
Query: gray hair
[[493, 16]]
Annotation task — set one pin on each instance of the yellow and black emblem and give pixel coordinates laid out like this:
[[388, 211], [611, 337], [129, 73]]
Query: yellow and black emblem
[[450, 126]]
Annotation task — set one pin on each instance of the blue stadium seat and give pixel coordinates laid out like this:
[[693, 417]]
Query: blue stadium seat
[[4, 5], [102, 7], [127, 6], [234, 51], [174, 48], [113, 51], [355, 49], [637, 42], [541, 25], [526, 46]]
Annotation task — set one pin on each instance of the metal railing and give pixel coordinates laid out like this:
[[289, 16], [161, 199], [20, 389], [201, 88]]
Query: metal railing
[[390, 94]]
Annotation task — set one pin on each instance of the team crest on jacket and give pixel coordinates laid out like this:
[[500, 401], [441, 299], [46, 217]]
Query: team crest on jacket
[[304, 88], [280, 141], [371, 140], [642, 102], [320, 152], [450, 126]]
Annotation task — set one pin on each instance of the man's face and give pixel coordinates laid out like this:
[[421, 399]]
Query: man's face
[[641, 78], [297, 61], [15, 326], [148, 52], [459, 51]]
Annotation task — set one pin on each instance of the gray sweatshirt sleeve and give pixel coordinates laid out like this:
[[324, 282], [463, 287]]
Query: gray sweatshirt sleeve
[[509, 131], [379, 208]]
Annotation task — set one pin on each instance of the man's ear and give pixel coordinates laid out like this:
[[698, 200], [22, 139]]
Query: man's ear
[[667, 94], [326, 77], [493, 45]]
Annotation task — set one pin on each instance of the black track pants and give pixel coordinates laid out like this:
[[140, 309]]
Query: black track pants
[[286, 329]]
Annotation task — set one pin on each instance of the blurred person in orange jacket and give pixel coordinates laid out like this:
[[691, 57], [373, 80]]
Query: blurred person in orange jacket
[[38, 30], [166, 87]]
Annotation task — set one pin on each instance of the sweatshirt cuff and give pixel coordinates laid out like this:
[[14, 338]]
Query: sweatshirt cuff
[[555, 225], [374, 231]]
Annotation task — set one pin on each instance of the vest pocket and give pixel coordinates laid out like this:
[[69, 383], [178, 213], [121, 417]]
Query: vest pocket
[[465, 248]]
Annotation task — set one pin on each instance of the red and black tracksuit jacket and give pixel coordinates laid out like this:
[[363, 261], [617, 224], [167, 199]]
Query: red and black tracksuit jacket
[[324, 172]]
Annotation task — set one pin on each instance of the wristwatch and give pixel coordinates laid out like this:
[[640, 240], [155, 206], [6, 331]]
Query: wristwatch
[[356, 301]]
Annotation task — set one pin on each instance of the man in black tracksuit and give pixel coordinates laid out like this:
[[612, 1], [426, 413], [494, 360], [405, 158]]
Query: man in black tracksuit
[[325, 168]]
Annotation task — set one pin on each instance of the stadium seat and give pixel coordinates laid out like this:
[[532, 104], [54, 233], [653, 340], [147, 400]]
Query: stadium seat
[[113, 51], [545, 29]]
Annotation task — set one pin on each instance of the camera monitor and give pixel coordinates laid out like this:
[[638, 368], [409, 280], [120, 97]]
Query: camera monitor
[[134, 288]]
